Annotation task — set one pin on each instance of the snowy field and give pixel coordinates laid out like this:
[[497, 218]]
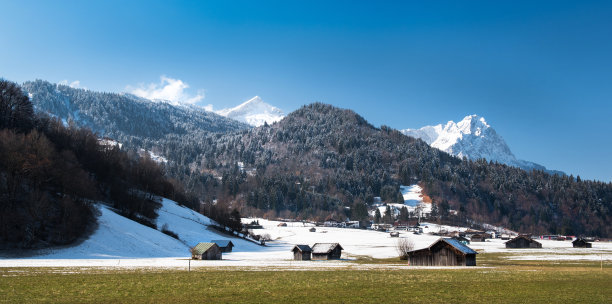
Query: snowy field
[[120, 242]]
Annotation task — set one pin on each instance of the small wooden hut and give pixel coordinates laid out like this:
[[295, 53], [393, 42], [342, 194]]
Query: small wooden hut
[[523, 241], [313, 229], [206, 251], [224, 245], [301, 252], [581, 243], [326, 251], [443, 252], [478, 238]]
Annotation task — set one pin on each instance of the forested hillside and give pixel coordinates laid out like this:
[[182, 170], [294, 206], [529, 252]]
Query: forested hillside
[[131, 120], [321, 159], [50, 176], [321, 162]]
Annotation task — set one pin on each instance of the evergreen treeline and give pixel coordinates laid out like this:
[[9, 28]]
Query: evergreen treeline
[[133, 121], [321, 159], [51, 174], [323, 162]]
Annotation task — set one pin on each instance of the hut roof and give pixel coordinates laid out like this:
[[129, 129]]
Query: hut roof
[[222, 243], [579, 240], [203, 247], [454, 243], [459, 246], [523, 237], [302, 248], [324, 248]]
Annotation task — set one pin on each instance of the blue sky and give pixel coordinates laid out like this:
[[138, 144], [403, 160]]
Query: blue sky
[[540, 72]]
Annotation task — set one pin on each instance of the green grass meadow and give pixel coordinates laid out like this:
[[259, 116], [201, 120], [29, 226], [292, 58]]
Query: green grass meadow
[[524, 282]]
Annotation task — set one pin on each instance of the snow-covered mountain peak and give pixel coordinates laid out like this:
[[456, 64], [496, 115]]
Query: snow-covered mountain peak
[[471, 124], [472, 137], [254, 112]]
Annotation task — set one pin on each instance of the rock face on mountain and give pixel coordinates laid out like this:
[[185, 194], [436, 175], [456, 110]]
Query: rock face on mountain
[[254, 112], [472, 138]]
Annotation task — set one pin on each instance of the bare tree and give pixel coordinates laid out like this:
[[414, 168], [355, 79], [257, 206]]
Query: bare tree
[[264, 238], [404, 246]]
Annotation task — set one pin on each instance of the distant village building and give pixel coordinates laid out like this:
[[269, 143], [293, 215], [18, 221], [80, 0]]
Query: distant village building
[[206, 251], [253, 225], [334, 223], [326, 251], [505, 236], [394, 234], [478, 238], [301, 252], [313, 229], [523, 241], [581, 243], [443, 252], [224, 245], [351, 224]]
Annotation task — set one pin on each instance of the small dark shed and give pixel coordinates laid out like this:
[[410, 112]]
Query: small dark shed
[[326, 251], [394, 234], [581, 243], [206, 251], [225, 245], [443, 252], [523, 241], [478, 238], [313, 229], [301, 252]]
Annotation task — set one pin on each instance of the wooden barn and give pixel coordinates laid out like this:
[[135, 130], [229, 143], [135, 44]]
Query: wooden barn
[[326, 251], [523, 241], [581, 243], [206, 251], [225, 245], [443, 252], [301, 252]]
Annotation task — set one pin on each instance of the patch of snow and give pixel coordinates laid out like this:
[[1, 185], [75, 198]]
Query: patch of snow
[[413, 201]]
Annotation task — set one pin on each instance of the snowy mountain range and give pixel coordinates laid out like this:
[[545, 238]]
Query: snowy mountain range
[[254, 112], [472, 138]]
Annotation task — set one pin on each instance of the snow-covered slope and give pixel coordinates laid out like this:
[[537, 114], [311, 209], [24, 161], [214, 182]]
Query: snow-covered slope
[[254, 112], [119, 237], [413, 201], [473, 138]]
